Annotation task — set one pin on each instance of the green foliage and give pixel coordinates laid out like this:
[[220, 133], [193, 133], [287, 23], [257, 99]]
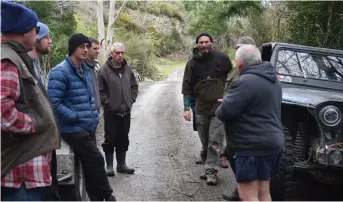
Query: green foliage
[[213, 16], [134, 5], [124, 23], [61, 26], [140, 53], [87, 29], [164, 8], [316, 23]]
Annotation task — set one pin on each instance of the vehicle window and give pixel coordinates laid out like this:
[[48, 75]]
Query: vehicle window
[[310, 65]]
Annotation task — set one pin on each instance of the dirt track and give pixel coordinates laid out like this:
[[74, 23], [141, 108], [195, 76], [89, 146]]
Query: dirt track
[[163, 148]]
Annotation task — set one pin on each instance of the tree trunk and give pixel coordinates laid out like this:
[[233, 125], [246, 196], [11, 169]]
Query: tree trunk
[[110, 27], [101, 30]]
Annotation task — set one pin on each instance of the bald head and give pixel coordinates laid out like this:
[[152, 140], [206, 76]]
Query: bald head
[[248, 55]]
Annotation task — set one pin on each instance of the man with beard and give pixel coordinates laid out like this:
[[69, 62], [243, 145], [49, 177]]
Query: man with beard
[[204, 77], [43, 47], [29, 131], [118, 91]]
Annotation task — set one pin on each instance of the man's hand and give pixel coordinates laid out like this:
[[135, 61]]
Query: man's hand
[[187, 115], [220, 100]]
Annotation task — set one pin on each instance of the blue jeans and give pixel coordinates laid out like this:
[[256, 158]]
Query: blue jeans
[[21, 194]]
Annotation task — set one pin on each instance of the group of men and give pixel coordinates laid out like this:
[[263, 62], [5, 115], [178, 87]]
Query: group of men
[[244, 105], [36, 109]]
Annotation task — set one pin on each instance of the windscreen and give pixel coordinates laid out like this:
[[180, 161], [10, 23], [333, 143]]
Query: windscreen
[[310, 65]]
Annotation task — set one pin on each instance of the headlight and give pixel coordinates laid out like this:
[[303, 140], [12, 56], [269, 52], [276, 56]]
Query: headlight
[[330, 115]]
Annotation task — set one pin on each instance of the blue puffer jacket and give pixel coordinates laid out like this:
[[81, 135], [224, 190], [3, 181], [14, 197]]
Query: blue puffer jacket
[[71, 94]]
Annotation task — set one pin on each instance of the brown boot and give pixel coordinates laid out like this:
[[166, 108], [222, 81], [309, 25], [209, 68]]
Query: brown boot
[[211, 180]]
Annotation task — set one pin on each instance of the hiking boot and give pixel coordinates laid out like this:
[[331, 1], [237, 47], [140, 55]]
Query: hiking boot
[[109, 164], [110, 198], [234, 196], [223, 162], [121, 164], [211, 180], [203, 177]]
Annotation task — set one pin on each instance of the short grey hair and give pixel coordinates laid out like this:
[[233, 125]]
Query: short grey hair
[[115, 45], [248, 54]]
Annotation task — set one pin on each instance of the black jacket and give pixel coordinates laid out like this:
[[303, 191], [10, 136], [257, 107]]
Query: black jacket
[[204, 77], [252, 112], [118, 88]]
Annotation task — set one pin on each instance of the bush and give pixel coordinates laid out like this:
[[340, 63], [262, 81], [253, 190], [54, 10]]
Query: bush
[[139, 53], [125, 23]]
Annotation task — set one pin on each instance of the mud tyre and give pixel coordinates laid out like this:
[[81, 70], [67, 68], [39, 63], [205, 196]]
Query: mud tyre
[[80, 185], [281, 183]]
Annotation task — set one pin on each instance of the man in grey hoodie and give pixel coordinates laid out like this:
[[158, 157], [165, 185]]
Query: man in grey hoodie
[[252, 109], [118, 91]]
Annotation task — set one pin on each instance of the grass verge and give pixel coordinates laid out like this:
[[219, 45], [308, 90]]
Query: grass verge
[[167, 67]]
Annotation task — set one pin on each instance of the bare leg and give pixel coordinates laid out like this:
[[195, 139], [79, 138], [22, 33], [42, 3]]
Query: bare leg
[[264, 191], [249, 191]]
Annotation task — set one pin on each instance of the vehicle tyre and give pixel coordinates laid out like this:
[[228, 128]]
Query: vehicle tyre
[[281, 183], [80, 185]]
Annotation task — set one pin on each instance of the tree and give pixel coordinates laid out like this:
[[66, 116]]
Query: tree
[[317, 23], [106, 38], [59, 17]]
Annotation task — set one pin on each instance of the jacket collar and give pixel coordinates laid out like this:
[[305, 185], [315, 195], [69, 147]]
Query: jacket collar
[[71, 63], [110, 64]]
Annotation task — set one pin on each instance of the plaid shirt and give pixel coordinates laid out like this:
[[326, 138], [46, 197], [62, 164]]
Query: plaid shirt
[[35, 172]]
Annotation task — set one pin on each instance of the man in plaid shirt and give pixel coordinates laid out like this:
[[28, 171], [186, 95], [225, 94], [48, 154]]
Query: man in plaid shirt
[[28, 128]]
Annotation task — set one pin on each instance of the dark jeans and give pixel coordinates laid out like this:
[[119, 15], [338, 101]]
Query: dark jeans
[[117, 130], [22, 194], [93, 164]]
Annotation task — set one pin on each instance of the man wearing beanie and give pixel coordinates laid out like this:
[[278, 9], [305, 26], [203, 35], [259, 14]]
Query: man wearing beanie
[[41, 48], [29, 130], [229, 153], [71, 92], [204, 77]]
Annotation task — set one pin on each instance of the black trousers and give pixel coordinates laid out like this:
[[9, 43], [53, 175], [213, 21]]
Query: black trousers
[[93, 164], [117, 130]]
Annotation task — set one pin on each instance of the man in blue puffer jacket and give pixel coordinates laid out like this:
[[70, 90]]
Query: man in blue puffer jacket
[[71, 92]]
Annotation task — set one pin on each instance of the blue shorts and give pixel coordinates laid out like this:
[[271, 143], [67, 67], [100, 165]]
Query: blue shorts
[[262, 168]]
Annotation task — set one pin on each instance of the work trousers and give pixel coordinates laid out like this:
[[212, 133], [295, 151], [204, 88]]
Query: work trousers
[[211, 133]]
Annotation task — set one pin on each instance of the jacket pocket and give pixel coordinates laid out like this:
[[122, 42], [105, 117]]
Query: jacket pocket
[[209, 90]]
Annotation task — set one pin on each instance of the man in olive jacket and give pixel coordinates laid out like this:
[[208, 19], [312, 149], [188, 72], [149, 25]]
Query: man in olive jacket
[[118, 91], [204, 77]]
